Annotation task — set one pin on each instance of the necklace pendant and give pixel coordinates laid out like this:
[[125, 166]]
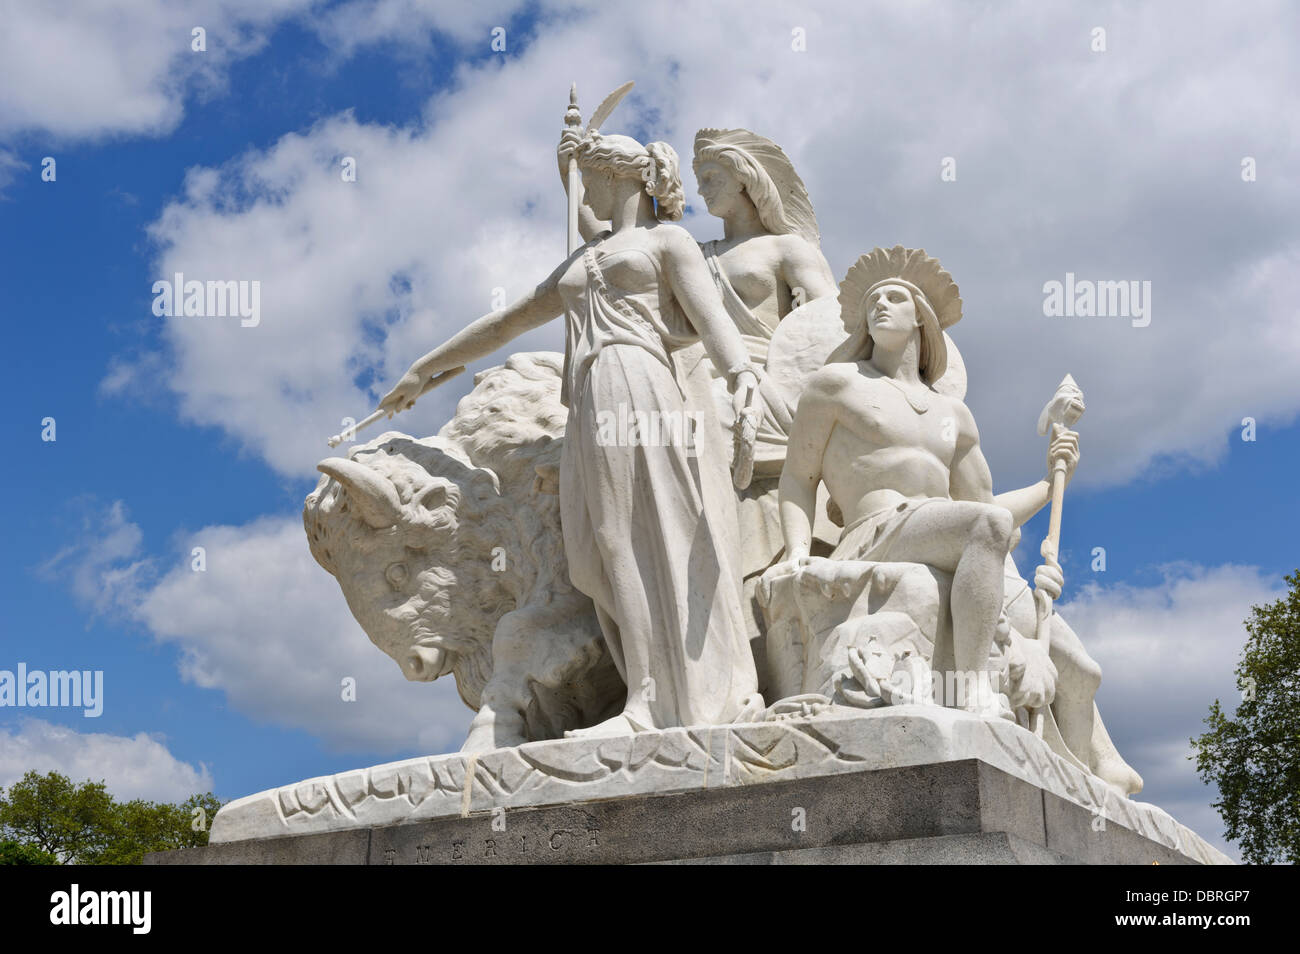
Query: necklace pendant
[[919, 405]]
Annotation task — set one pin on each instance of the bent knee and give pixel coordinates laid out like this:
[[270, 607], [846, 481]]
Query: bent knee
[[994, 526]]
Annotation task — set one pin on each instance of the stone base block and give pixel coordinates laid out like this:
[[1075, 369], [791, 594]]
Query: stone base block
[[888, 784]]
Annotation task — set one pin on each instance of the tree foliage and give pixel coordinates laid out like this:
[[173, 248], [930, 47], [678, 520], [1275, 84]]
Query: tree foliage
[[1253, 756], [18, 853], [48, 819]]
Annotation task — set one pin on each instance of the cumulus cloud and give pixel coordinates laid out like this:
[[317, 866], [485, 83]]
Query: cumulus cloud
[[1168, 650], [88, 68], [360, 278], [265, 626], [270, 629], [103, 567], [138, 766], [413, 23], [350, 273]]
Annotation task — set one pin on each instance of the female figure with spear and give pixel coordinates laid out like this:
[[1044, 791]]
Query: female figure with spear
[[649, 524]]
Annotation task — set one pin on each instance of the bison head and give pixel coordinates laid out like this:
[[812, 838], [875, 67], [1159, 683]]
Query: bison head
[[408, 528]]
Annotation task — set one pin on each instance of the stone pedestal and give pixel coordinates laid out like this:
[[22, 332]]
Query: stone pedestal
[[906, 784]]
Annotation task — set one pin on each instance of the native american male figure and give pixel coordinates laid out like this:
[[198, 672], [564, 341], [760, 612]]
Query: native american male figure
[[902, 461]]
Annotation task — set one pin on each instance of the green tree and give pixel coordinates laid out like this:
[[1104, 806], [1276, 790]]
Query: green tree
[[142, 827], [50, 813], [47, 816], [1254, 755], [17, 853]]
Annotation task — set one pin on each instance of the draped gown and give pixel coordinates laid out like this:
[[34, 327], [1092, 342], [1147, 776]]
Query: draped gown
[[649, 521]]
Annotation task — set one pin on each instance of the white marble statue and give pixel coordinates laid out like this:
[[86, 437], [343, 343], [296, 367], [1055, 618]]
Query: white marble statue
[[922, 574], [902, 461], [601, 479], [569, 549], [769, 260], [649, 525], [767, 264]]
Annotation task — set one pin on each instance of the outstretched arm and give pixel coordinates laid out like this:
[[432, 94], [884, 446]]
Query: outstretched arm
[[479, 339]]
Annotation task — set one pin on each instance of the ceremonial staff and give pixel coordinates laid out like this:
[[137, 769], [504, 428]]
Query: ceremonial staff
[[572, 120], [1062, 411]]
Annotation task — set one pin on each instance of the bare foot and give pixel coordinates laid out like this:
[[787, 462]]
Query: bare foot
[[1119, 775]]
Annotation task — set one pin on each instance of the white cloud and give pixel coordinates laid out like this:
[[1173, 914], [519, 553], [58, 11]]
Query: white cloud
[[270, 629], [103, 568], [337, 261], [1184, 632], [10, 166], [85, 69], [264, 625], [1166, 652], [92, 68], [360, 278], [138, 766], [359, 23]]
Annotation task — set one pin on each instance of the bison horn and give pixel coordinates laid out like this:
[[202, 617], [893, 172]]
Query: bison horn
[[374, 496]]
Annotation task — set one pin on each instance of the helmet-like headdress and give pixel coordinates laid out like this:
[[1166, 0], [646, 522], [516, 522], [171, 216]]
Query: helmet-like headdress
[[938, 303], [769, 177]]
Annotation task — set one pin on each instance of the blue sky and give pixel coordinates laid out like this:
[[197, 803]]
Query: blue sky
[[1115, 165]]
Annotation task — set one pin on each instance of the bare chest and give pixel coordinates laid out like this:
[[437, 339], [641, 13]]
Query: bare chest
[[754, 268], [876, 415]]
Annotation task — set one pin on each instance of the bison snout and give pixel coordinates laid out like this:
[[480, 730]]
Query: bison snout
[[425, 664]]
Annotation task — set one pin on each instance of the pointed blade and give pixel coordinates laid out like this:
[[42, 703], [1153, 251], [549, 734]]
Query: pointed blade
[[1065, 407], [607, 106]]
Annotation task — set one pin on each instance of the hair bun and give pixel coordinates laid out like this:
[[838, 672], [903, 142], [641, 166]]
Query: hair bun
[[666, 184]]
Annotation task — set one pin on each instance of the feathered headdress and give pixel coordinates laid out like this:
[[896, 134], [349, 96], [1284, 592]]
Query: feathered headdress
[[937, 297]]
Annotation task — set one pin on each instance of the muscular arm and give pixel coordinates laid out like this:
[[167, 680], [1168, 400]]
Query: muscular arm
[[971, 479], [814, 419]]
